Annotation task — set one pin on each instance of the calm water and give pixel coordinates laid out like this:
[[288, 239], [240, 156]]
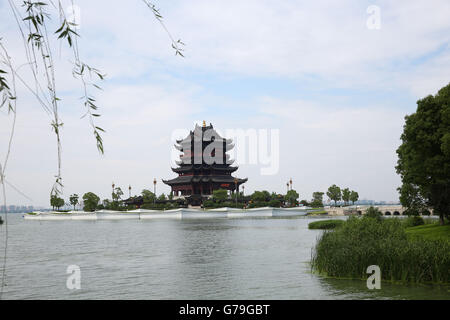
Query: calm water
[[179, 259]]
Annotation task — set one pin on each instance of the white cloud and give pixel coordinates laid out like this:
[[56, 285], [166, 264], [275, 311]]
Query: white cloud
[[149, 92]]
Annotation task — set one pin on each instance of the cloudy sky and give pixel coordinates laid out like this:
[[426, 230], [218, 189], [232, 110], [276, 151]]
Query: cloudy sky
[[336, 90]]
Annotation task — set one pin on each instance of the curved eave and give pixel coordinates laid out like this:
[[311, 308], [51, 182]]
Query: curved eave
[[203, 167]]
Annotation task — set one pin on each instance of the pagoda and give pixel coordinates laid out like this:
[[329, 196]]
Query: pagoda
[[204, 166]]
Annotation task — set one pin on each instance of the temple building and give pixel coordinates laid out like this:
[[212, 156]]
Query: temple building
[[204, 166]]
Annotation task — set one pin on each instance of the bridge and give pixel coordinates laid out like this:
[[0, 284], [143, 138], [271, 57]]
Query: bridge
[[386, 210]]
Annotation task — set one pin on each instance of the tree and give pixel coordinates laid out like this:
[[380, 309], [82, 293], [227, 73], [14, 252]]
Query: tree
[[334, 193], [346, 195], [106, 203], [162, 197], [317, 199], [220, 195], [424, 155], [266, 195], [411, 199], [40, 36], [90, 201], [117, 194], [304, 202], [291, 197], [53, 198], [73, 200], [258, 196], [148, 196], [56, 202], [373, 212], [59, 203], [274, 203], [354, 196]]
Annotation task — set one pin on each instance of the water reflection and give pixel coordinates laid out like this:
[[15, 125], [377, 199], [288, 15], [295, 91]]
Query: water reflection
[[357, 289]]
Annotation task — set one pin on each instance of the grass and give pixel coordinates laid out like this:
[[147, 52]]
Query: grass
[[325, 224], [316, 213], [429, 232], [347, 251]]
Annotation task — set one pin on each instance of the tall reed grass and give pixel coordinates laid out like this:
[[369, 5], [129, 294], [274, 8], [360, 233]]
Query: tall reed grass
[[364, 241]]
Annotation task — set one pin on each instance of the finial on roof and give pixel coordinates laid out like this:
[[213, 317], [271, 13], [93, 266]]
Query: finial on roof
[[204, 123]]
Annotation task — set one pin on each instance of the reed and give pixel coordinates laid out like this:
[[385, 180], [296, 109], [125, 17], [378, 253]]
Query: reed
[[325, 224], [363, 241]]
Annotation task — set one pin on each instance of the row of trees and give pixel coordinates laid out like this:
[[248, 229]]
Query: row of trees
[[220, 198], [91, 201], [336, 194]]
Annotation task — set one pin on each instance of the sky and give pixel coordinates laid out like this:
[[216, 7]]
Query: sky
[[333, 80]]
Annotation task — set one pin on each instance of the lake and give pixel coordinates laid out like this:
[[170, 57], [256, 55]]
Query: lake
[[178, 259]]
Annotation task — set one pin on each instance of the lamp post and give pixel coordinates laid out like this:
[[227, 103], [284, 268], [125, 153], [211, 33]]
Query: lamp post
[[235, 188], [154, 190], [290, 182], [287, 187], [112, 195], [129, 190]]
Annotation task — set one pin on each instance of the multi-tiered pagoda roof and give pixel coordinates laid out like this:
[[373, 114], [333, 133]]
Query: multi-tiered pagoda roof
[[204, 164]]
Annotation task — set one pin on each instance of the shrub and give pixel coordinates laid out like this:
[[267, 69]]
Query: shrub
[[258, 204], [325, 224], [209, 204]]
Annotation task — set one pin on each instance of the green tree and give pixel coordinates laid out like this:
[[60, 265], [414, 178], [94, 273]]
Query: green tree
[[411, 199], [424, 155], [90, 201], [291, 197], [354, 196], [56, 202], [266, 195], [220, 195], [274, 203], [346, 195], [53, 198], [258, 196], [317, 199], [334, 193], [106, 204], [148, 196], [117, 194], [162, 197], [73, 200], [373, 212]]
